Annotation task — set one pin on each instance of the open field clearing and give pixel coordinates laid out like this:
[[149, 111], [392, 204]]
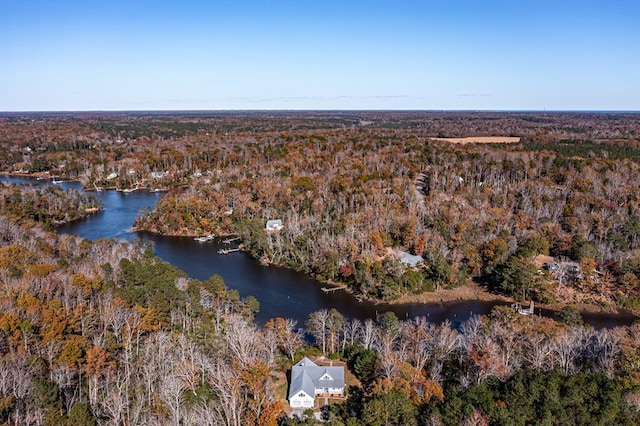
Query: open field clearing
[[481, 139]]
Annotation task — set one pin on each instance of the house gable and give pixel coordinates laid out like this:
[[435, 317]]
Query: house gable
[[326, 376], [310, 379]]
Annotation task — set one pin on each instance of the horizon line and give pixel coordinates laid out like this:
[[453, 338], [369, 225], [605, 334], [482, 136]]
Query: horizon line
[[322, 110]]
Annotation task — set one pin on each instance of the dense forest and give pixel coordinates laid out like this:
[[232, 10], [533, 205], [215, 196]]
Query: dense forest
[[356, 190], [103, 332], [48, 206]]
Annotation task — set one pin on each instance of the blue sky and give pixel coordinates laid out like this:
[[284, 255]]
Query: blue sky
[[325, 54]]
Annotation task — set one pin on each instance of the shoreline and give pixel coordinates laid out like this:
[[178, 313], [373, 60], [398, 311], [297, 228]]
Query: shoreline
[[37, 175], [189, 235], [466, 293], [473, 292]]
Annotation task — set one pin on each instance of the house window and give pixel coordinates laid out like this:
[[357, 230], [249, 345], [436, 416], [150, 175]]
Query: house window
[[302, 395], [326, 377]]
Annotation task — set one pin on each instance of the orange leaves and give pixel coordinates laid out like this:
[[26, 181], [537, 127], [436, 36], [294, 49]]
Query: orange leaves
[[279, 325], [255, 378], [420, 245], [271, 414], [411, 382], [41, 270], [98, 362], [303, 183], [431, 391], [53, 326], [149, 320], [381, 240], [377, 241], [10, 326], [384, 385], [86, 284], [274, 323], [588, 269], [486, 357], [16, 255], [494, 251], [73, 351]]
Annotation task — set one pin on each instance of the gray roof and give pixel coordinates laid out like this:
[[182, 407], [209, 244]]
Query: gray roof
[[307, 376], [409, 259]]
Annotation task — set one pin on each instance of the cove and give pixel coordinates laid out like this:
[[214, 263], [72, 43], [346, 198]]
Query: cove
[[281, 292]]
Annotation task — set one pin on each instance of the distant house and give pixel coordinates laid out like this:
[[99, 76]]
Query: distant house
[[407, 258], [158, 175], [274, 225], [309, 380]]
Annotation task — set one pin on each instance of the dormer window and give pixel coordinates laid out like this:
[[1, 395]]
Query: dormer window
[[326, 376]]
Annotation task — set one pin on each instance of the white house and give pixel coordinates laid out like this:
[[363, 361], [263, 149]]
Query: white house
[[309, 380], [274, 225]]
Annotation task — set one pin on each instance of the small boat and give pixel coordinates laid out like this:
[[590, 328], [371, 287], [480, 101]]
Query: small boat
[[204, 239], [56, 182], [127, 190]]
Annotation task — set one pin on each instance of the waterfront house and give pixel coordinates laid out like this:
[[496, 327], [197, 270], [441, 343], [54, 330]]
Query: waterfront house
[[407, 258], [274, 225], [309, 380]]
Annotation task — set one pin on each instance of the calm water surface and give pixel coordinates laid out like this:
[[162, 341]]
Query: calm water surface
[[281, 292]]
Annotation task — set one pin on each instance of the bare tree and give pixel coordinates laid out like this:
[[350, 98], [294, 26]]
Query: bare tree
[[241, 339], [603, 349], [414, 334], [113, 399], [567, 347], [286, 335], [368, 333], [171, 392], [230, 402], [350, 332], [441, 342], [317, 326], [537, 350]]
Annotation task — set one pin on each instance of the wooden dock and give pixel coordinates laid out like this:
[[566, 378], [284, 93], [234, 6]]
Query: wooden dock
[[227, 251], [230, 240], [332, 289]]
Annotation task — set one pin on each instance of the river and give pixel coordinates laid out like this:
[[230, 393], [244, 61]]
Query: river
[[281, 292]]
